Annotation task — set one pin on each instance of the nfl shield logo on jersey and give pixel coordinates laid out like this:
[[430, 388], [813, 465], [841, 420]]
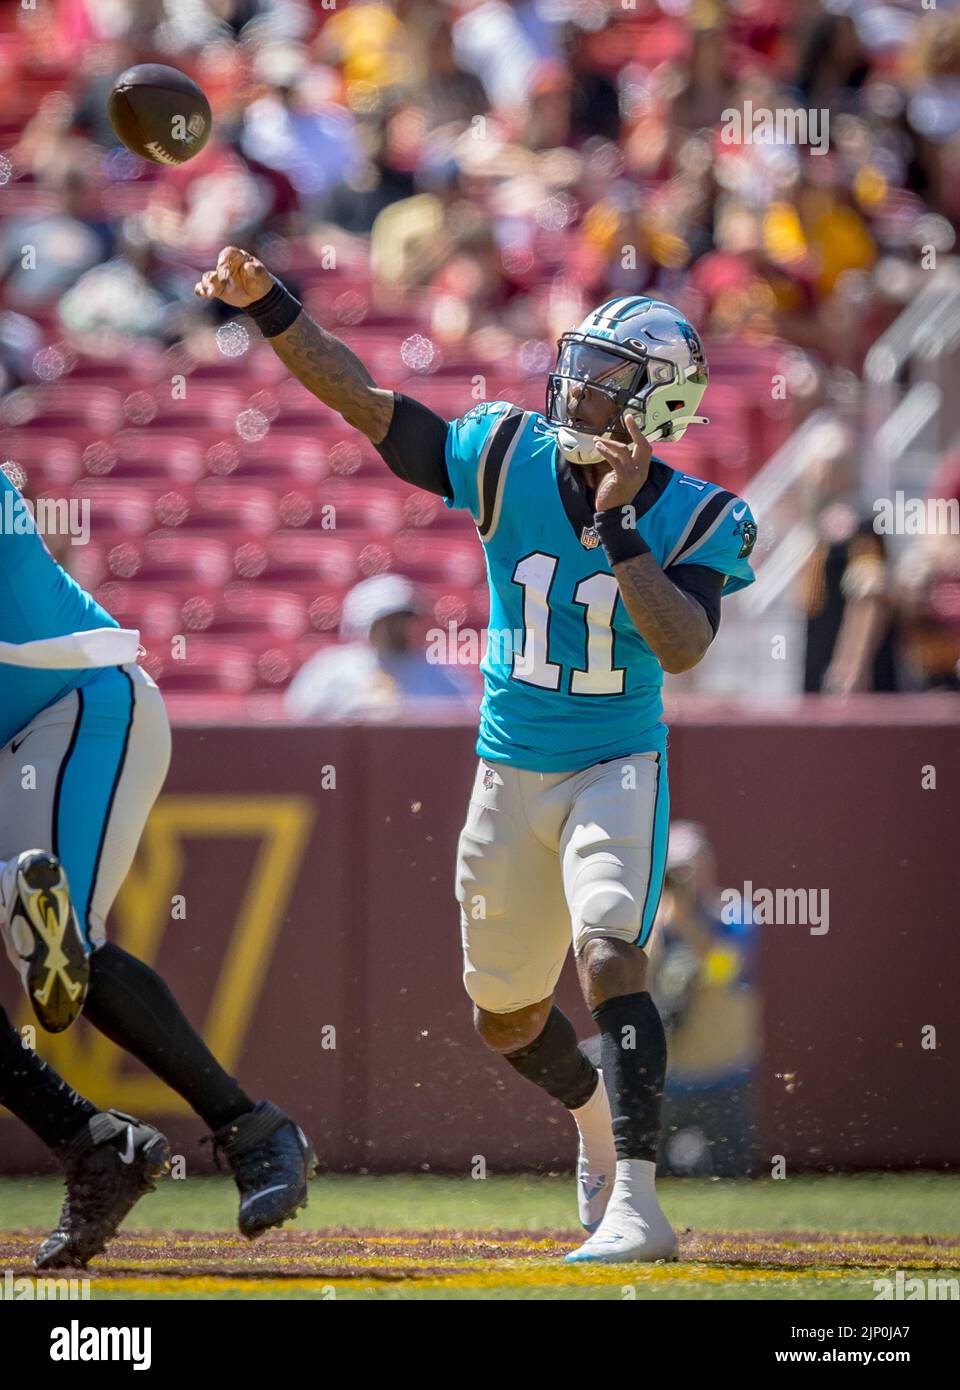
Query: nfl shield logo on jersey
[[589, 538]]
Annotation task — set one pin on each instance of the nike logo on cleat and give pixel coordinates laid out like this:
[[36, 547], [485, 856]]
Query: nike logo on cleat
[[255, 1196], [129, 1153]]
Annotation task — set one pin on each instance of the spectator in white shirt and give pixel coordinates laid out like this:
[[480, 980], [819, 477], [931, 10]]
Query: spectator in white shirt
[[378, 673]]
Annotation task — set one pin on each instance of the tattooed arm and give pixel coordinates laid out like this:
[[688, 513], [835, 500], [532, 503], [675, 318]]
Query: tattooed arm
[[318, 359], [334, 374], [674, 625]]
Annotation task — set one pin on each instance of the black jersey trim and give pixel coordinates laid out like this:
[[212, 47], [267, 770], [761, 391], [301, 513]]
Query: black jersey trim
[[703, 520], [502, 436], [577, 498]]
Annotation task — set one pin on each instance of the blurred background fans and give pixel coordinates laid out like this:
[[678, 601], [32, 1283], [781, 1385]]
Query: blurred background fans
[[449, 186]]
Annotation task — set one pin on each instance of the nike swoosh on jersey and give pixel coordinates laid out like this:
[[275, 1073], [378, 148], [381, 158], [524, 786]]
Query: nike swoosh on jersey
[[738, 514]]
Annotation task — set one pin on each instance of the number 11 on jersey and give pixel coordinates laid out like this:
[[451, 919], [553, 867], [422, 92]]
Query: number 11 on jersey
[[597, 595]]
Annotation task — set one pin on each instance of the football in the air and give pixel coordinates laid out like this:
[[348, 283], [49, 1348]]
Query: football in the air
[[159, 113]]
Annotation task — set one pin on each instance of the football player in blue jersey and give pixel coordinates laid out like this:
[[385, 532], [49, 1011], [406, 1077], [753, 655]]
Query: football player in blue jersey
[[84, 749], [606, 568]]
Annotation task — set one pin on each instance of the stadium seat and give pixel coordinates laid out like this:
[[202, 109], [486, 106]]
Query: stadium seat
[[48, 460], [205, 665], [79, 408], [234, 512], [343, 505], [156, 612], [118, 509], [168, 560], [433, 559], [278, 461], [247, 610], [140, 454], [289, 559], [202, 406]]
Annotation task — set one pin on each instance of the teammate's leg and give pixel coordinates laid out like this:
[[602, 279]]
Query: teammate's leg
[[614, 851], [269, 1155], [100, 759], [96, 762], [109, 1160], [33, 1091]]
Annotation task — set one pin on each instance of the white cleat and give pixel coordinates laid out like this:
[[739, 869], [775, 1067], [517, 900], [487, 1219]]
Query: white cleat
[[633, 1228], [596, 1157]]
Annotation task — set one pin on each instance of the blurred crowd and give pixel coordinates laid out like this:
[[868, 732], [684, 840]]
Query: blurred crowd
[[490, 168]]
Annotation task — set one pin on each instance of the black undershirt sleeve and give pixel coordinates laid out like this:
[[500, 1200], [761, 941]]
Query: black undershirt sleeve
[[414, 446], [703, 584]]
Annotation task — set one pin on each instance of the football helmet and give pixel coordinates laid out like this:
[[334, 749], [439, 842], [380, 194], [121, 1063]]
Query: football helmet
[[632, 356]]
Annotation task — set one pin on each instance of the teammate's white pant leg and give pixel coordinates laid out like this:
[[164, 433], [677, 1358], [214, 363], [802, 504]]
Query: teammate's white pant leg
[[80, 780]]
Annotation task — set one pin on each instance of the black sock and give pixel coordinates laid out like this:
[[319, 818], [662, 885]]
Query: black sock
[[133, 1007], [633, 1057], [554, 1062], [34, 1092]]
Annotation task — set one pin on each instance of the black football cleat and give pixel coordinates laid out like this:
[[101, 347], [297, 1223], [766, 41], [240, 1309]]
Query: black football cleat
[[272, 1160], [44, 938], [109, 1166]]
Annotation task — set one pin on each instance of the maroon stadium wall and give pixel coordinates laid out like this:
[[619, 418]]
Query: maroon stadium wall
[[295, 887]]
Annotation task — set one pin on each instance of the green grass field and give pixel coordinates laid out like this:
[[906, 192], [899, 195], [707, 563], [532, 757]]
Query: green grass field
[[504, 1237]]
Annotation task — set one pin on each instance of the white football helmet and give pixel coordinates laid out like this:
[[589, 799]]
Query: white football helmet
[[641, 357]]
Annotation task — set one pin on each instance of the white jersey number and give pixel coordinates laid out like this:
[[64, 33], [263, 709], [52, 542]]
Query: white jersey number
[[597, 595]]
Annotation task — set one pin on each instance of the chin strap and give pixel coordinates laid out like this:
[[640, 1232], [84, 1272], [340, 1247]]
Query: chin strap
[[665, 431]]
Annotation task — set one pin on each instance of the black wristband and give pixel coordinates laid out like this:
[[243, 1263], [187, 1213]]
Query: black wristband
[[275, 311], [617, 529]]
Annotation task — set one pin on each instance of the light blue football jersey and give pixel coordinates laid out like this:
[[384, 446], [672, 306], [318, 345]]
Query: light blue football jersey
[[568, 680], [38, 599]]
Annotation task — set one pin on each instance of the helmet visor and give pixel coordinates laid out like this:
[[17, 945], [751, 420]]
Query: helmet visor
[[589, 387]]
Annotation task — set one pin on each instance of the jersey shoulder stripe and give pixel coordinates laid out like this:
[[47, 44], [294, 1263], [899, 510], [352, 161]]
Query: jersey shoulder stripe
[[494, 465], [700, 524]]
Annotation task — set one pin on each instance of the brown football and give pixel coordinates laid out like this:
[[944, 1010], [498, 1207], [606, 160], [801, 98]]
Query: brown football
[[159, 113]]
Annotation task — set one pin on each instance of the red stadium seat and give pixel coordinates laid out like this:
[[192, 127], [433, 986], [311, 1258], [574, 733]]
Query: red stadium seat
[[343, 505], [116, 508], [142, 455], [279, 461], [203, 664], [235, 512], [433, 559], [248, 610], [48, 460], [156, 612], [301, 562], [202, 406], [168, 560], [79, 407]]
